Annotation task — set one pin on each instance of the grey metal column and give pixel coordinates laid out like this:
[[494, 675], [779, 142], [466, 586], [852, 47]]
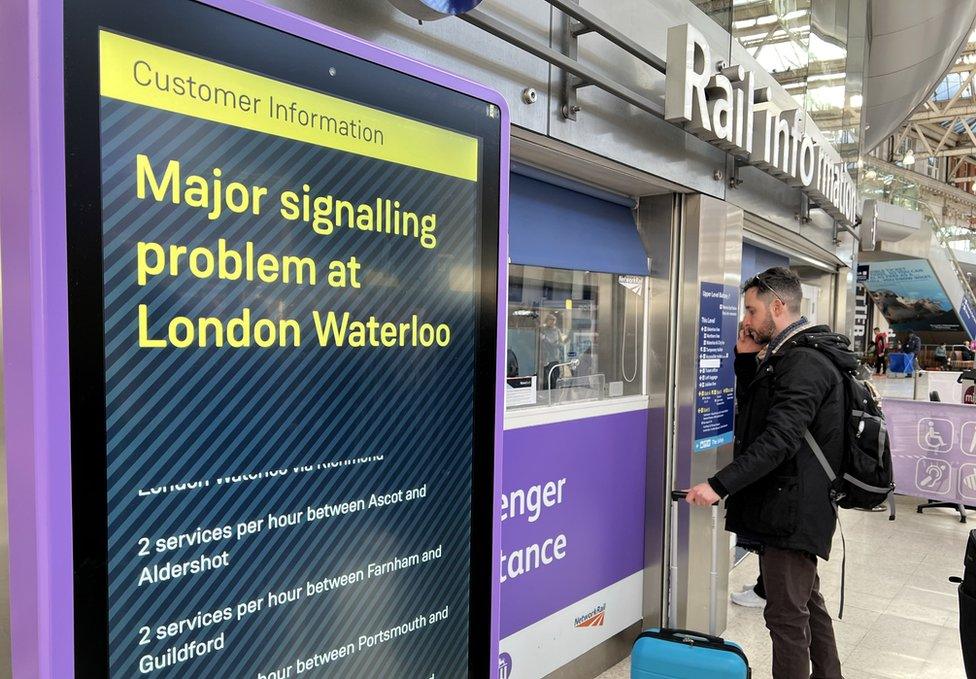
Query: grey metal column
[[843, 317], [709, 250], [658, 220]]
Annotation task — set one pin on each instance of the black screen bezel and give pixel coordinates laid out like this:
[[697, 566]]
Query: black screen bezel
[[193, 27]]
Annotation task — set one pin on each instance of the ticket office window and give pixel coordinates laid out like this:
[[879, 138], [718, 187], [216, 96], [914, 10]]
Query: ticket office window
[[573, 336], [577, 292]]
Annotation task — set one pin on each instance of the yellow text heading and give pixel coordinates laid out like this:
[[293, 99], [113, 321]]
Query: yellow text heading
[[149, 75]]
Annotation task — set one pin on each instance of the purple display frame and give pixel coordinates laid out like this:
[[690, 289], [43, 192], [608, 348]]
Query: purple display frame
[[33, 256]]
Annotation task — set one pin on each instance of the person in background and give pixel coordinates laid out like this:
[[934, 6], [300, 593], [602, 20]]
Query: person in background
[[912, 346], [753, 596], [880, 347], [941, 357], [966, 352]]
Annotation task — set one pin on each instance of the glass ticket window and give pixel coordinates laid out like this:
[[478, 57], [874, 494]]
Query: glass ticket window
[[573, 336]]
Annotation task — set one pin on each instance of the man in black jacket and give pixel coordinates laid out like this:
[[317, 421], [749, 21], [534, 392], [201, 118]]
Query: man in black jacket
[[778, 494]]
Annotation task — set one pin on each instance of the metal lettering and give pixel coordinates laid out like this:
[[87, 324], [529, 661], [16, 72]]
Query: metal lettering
[[725, 108], [684, 98]]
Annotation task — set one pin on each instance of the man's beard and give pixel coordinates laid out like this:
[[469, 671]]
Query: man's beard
[[763, 334]]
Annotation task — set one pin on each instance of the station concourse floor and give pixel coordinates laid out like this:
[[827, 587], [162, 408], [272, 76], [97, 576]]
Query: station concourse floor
[[901, 615]]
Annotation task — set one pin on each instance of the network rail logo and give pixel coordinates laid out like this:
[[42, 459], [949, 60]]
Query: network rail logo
[[594, 618], [504, 666]]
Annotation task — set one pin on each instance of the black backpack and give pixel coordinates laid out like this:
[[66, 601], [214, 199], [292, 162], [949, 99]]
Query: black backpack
[[865, 480]]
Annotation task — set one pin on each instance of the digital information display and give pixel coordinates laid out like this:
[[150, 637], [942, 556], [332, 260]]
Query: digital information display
[[282, 327]]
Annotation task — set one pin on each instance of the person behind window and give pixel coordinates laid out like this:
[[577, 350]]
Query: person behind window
[[512, 369], [586, 363], [553, 342]]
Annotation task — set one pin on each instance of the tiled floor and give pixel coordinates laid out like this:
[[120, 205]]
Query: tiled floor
[[896, 387], [901, 617]]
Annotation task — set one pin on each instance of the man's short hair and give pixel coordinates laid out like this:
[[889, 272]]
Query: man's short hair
[[777, 283], [877, 329]]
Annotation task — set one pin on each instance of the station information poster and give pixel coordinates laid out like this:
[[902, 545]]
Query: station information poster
[[715, 384], [967, 315], [910, 297], [282, 323]]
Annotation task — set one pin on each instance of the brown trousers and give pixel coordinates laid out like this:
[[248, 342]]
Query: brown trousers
[[796, 617]]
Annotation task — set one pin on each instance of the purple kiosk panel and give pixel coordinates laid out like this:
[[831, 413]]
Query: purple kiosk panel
[[933, 449], [160, 528]]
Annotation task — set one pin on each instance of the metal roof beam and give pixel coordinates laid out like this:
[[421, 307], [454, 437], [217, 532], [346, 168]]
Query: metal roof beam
[[969, 131], [955, 97], [945, 137], [947, 153], [967, 111]]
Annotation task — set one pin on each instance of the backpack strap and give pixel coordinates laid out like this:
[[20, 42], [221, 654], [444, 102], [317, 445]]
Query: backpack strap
[[818, 452], [831, 476], [843, 561], [822, 459]]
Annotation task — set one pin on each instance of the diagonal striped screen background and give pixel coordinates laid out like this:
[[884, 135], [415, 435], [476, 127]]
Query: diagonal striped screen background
[[241, 443]]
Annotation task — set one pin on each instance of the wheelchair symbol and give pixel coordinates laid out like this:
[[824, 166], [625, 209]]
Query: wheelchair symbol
[[935, 434]]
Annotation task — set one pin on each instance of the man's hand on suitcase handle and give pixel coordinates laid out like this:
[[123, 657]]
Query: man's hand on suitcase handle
[[701, 495]]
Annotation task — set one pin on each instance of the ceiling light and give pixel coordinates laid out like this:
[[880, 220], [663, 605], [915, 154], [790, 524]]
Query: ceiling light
[[909, 158], [871, 174], [856, 100]]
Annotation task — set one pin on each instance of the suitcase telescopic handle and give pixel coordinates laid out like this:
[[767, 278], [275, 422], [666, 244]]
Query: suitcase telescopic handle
[[679, 495]]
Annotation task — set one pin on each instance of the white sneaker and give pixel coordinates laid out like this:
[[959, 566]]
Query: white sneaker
[[748, 598]]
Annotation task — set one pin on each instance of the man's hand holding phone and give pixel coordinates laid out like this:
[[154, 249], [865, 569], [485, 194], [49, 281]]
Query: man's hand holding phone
[[746, 344]]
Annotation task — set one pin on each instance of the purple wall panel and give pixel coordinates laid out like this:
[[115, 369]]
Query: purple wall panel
[[32, 210], [603, 460]]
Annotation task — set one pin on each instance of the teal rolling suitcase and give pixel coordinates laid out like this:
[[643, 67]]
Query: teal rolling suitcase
[[680, 654], [670, 653]]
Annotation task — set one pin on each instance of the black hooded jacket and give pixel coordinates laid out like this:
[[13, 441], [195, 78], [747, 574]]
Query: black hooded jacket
[[777, 491]]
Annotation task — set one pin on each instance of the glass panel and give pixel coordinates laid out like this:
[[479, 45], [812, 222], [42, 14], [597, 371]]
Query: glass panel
[[720, 11], [815, 49], [578, 333], [885, 186], [776, 33]]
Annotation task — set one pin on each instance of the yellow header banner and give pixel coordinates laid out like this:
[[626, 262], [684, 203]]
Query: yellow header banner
[[149, 75]]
